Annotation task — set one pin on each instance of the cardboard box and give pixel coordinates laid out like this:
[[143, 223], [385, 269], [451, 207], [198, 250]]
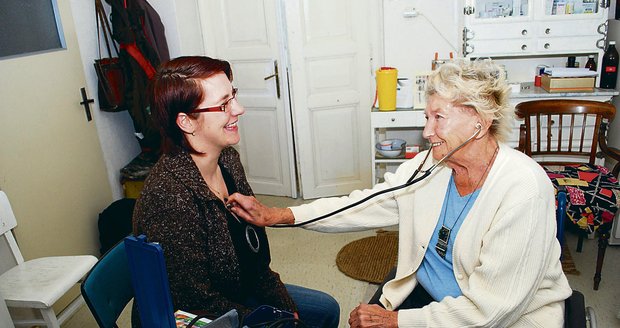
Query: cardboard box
[[567, 84]]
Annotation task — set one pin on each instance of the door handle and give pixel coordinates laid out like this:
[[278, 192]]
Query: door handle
[[275, 74], [86, 103]]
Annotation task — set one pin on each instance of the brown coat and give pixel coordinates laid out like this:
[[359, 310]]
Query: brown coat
[[178, 210]]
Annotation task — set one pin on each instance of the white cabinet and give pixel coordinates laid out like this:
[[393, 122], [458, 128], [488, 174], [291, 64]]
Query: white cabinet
[[506, 28], [403, 124]]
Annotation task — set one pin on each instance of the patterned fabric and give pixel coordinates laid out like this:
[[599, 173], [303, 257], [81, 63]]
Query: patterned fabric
[[593, 194]]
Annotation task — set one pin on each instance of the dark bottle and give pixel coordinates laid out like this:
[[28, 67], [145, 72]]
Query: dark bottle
[[609, 68], [591, 64]]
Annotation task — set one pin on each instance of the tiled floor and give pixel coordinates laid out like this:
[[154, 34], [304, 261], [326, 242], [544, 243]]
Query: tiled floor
[[308, 258]]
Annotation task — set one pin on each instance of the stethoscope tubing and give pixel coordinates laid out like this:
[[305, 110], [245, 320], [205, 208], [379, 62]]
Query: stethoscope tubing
[[412, 180]]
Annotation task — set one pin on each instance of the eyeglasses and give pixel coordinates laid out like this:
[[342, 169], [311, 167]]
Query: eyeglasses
[[221, 108]]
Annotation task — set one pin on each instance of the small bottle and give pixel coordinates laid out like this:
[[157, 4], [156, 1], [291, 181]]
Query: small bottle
[[571, 61], [591, 64], [609, 68]]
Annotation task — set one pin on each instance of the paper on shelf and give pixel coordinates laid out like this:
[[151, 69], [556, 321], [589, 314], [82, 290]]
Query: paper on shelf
[[569, 72]]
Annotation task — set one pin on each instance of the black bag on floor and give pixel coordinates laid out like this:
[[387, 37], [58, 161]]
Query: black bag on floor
[[115, 223]]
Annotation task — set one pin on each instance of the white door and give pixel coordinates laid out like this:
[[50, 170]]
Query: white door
[[329, 48], [327, 54], [244, 32], [51, 164]]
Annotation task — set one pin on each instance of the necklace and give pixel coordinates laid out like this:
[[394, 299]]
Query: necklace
[[443, 236], [219, 194]]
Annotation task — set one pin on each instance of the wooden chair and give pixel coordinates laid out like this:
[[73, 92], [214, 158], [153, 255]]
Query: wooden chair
[[37, 284], [566, 137]]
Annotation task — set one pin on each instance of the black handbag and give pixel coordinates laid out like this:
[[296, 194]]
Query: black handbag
[[111, 86]]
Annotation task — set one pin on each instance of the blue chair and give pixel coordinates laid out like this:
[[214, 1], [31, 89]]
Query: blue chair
[[576, 313], [150, 282], [107, 287], [149, 278]]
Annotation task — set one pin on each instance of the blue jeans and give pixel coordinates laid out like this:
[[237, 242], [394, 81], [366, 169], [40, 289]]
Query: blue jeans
[[315, 308]]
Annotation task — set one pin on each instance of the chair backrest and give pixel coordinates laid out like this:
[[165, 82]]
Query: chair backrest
[[107, 287], [7, 223], [150, 282], [562, 132]]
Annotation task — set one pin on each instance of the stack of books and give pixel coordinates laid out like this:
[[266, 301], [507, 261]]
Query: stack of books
[[568, 79]]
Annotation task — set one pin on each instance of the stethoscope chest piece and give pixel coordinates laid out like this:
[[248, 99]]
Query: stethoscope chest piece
[[250, 234]]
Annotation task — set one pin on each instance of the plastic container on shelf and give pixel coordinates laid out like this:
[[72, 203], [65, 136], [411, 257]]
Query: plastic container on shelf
[[387, 78]]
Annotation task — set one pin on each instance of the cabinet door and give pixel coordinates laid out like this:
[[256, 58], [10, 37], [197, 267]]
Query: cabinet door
[[573, 27], [495, 10], [571, 9], [507, 22], [519, 30], [508, 47], [563, 45], [541, 27]]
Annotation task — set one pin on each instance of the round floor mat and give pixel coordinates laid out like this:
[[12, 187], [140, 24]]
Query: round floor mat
[[371, 258]]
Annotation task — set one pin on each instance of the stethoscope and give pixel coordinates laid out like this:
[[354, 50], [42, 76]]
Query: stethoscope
[[412, 180]]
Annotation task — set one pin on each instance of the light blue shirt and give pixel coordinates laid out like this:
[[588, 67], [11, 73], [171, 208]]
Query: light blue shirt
[[436, 274]]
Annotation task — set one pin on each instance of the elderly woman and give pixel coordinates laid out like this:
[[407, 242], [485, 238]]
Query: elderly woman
[[477, 238], [215, 261]]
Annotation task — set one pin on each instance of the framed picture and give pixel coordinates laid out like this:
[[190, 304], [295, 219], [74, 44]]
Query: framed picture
[[29, 27]]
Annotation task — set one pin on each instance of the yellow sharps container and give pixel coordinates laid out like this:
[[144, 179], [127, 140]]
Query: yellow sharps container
[[386, 88]]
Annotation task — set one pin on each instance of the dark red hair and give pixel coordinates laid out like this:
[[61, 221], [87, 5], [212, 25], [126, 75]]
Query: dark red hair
[[175, 89]]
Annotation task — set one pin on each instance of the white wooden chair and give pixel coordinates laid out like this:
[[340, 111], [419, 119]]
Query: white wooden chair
[[5, 317], [37, 284]]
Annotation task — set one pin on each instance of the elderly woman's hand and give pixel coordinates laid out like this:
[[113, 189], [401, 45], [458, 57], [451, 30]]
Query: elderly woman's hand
[[367, 315], [253, 211]]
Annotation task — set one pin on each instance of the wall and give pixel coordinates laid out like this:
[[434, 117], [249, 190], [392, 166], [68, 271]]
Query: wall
[[116, 131], [409, 44]]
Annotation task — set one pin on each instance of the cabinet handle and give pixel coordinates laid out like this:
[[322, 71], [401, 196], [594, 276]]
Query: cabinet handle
[[524, 32], [524, 47], [393, 119], [547, 31], [547, 46]]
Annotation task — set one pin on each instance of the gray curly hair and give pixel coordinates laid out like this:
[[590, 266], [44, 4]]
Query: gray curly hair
[[478, 84]]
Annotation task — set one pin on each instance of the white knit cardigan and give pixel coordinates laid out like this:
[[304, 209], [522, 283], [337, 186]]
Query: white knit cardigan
[[506, 256]]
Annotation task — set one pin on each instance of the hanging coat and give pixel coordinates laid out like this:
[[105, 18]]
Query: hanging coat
[[138, 29]]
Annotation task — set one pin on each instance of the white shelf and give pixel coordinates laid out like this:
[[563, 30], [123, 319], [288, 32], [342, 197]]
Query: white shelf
[[384, 122]]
